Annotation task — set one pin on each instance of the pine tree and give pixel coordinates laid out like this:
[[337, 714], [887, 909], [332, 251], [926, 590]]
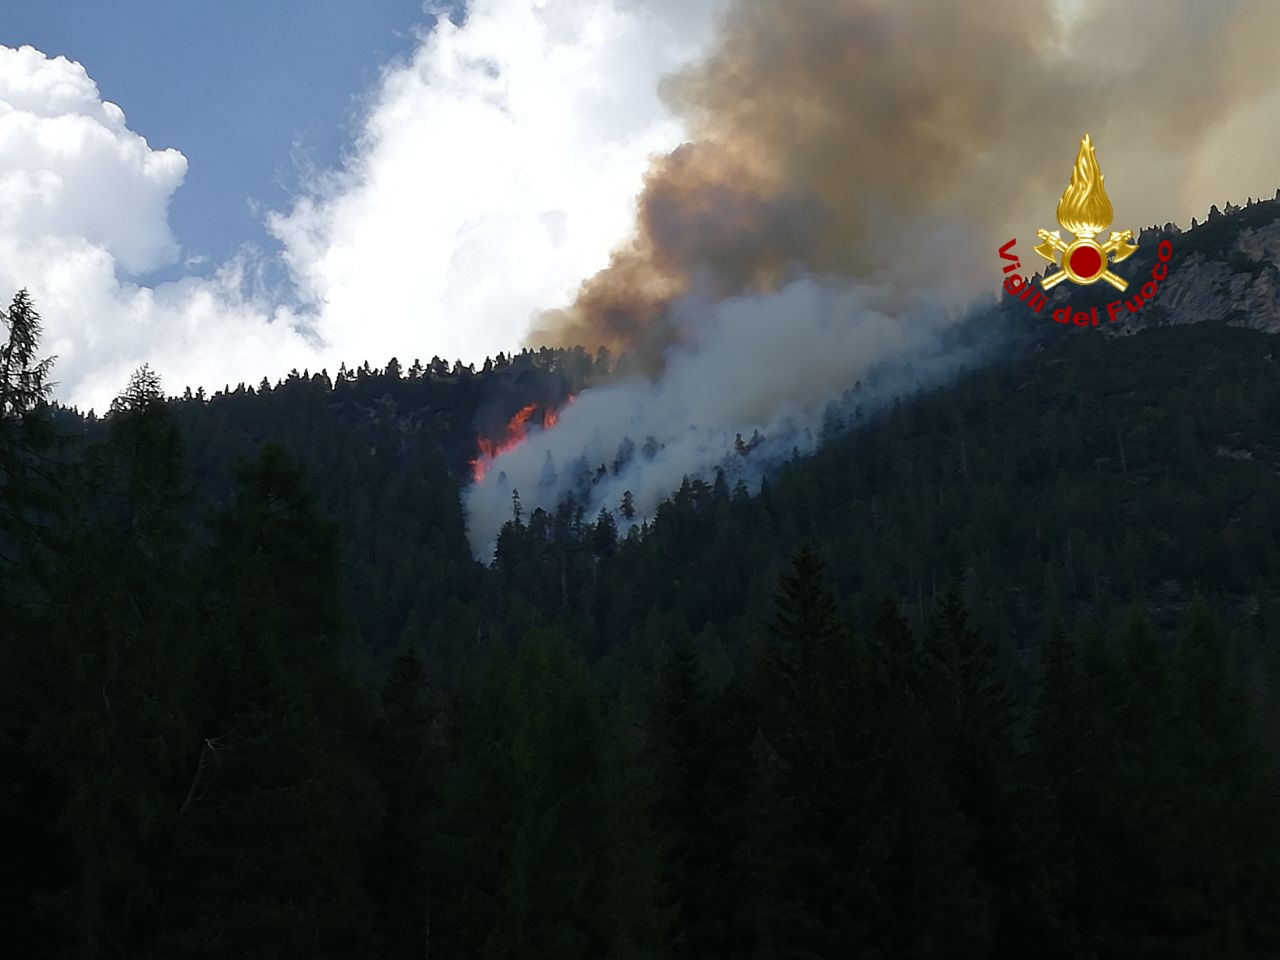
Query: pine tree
[[604, 534], [30, 493], [24, 383], [700, 744], [934, 902], [114, 722], [405, 760], [1225, 848], [542, 847], [1064, 763], [269, 845], [1120, 867], [33, 500], [972, 721], [27, 488], [681, 745], [817, 722], [1061, 719]]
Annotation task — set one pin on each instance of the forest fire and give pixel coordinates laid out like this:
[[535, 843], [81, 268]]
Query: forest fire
[[551, 415], [511, 436]]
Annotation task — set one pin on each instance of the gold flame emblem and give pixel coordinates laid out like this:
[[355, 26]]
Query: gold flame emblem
[[1085, 210]]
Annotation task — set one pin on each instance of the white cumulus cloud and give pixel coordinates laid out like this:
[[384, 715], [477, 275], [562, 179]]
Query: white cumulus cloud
[[494, 169], [83, 207], [497, 168]]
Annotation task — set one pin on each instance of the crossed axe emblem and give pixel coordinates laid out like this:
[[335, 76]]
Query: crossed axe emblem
[[1085, 260]]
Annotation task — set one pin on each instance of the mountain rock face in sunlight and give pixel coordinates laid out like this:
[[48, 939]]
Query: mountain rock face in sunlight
[[1226, 268], [1231, 272]]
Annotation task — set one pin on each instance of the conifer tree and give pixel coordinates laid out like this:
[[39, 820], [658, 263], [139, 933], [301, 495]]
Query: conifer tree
[[1064, 763], [934, 904], [113, 675], [269, 845], [1225, 847], [542, 850], [972, 721], [681, 746], [404, 761], [700, 744], [33, 495], [817, 722], [26, 437], [1120, 870]]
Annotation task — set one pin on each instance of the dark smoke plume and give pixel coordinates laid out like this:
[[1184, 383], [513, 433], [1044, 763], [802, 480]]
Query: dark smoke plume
[[903, 140]]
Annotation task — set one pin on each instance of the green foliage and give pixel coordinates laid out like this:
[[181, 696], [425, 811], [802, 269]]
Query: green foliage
[[407, 749], [541, 846], [700, 747], [279, 711], [109, 662], [827, 828], [271, 833], [29, 491], [934, 903]]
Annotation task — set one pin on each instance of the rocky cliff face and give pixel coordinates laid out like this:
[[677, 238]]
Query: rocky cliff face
[[1226, 269]]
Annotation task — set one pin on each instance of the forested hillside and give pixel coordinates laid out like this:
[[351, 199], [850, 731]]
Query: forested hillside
[[992, 674], [1061, 484]]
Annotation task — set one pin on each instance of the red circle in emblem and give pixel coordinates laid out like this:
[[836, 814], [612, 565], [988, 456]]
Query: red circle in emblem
[[1086, 262]]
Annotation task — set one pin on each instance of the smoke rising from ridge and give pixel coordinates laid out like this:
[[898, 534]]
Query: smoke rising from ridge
[[852, 165], [839, 137]]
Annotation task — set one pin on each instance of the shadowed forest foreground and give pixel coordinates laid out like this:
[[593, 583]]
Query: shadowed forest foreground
[[193, 768]]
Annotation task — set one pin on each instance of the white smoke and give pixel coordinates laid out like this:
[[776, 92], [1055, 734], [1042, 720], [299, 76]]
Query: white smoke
[[754, 363], [498, 166], [864, 139]]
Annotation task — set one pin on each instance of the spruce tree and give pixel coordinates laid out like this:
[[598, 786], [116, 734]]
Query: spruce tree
[[542, 848], [831, 834], [404, 761], [1064, 764], [113, 681], [28, 485], [973, 724], [269, 843], [934, 902], [33, 498], [1225, 845], [700, 746], [1120, 869], [681, 746]]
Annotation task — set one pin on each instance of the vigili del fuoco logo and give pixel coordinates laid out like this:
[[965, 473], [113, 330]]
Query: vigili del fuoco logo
[[1085, 210]]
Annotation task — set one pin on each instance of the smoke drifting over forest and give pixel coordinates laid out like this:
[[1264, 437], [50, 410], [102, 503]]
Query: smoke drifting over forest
[[851, 167]]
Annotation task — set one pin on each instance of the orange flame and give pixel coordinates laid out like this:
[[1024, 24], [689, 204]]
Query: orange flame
[[513, 434], [551, 416]]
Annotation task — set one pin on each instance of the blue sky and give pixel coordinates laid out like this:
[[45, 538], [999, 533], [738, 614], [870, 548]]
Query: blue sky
[[245, 89]]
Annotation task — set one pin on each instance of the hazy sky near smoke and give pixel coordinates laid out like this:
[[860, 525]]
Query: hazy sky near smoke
[[848, 138], [489, 171]]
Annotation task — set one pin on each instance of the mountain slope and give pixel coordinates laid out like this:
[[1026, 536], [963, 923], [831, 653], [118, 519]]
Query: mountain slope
[[1078, 475]]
